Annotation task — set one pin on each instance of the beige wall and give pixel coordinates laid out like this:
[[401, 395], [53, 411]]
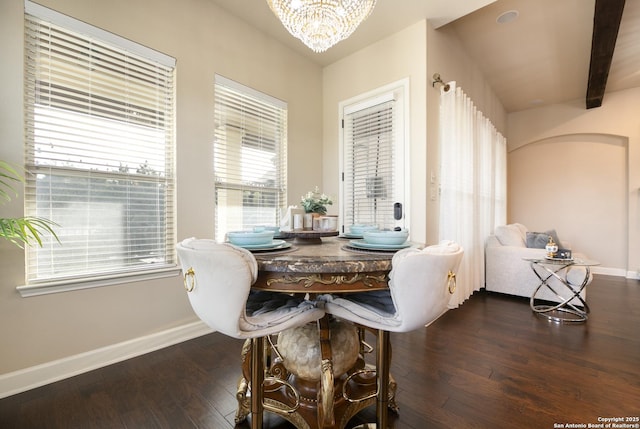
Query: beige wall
[[606, 146], [204, 40], [577, 185]]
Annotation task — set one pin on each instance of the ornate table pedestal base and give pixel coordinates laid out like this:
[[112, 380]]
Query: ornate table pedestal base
[[315, 411]]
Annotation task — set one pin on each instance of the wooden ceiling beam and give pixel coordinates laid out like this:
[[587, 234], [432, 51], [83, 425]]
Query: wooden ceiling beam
[[606, 23]]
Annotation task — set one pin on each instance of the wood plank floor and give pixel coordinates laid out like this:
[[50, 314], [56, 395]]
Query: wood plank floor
[[489, 364]]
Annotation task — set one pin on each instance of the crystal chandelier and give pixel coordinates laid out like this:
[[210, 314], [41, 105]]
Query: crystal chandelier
[[320, 24]]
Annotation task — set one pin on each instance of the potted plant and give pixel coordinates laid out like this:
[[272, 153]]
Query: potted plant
[[25, 230], [315, 205], [315, 202]]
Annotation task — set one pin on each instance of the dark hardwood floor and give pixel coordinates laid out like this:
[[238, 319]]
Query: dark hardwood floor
[[489, 364]]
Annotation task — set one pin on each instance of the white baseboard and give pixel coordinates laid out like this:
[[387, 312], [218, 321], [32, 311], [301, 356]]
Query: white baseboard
[[618, 272], [40, 375], [633, 275]]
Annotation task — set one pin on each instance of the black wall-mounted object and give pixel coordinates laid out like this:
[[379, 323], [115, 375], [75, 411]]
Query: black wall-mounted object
[[397, 211]]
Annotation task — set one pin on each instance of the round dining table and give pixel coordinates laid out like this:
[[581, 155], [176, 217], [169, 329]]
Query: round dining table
[[335, 267], [331, 267]]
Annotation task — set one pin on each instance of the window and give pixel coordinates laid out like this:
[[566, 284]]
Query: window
[[99, 151], [373, 164], [249, 150]]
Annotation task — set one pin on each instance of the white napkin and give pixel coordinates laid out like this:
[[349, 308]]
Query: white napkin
[[286, 220]]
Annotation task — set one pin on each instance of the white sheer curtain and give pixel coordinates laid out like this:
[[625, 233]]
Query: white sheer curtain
[[473, 175]]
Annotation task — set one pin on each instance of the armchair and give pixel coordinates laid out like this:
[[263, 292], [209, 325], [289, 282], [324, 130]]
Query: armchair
[[218, 279], [420, 286], [506, 270]]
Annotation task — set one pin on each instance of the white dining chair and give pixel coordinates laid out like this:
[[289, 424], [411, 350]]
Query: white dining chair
[[421, 283], [218, 279]]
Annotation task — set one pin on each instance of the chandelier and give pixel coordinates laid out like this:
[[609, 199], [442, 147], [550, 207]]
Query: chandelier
[[320, 24]]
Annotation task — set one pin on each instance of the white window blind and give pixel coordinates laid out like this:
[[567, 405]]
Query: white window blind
[[99, 150], [369, 159], [250, 147]]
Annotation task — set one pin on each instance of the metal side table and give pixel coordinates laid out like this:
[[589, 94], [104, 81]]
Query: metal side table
[[553, 274]]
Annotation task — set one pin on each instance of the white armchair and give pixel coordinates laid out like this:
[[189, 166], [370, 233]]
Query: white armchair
[[506, 270], [218, 279], [420, 286]]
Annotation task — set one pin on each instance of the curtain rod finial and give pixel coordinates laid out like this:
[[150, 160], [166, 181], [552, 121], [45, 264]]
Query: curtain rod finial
[[438, 79]]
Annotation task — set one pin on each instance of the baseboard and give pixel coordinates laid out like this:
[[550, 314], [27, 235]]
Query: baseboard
[[633, 275], [607, 271], [40, 375]]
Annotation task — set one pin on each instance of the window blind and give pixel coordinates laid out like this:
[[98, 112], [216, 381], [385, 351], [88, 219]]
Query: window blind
[[99, 122], [369, 189], [250, 147]]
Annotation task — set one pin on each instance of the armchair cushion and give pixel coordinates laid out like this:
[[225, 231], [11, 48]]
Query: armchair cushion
[[539, 240], [265, 309], [511, 235], [375, 306]]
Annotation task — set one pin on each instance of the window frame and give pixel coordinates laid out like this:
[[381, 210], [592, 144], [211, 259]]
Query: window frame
[[92, 277], [259, 121]]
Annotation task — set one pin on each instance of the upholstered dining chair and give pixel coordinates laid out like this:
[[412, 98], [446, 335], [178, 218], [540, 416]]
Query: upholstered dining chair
[[421, 283], [218, 279]]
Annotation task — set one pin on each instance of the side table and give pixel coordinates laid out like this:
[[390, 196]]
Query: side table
[[567, 292]]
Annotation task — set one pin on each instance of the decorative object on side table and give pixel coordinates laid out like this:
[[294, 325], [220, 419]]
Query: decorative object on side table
[[551, 248], [564, 254]]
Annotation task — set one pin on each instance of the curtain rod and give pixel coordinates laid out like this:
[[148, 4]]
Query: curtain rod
[[438, 79]]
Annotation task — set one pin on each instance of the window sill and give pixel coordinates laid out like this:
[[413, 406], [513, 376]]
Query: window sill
[[68, 285]]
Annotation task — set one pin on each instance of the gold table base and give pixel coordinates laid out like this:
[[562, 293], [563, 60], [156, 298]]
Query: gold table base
[[309, 414]]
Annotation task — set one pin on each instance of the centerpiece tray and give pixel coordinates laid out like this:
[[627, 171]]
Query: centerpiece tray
[[304, 236], [548, 258]]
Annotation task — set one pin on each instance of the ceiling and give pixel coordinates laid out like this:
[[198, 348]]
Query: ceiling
[[541, 57]]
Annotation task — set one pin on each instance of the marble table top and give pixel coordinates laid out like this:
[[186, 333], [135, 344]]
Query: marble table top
[[328, 257]]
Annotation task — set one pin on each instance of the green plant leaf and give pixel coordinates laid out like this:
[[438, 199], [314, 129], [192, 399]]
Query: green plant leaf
[[26, 230], [8, 174]]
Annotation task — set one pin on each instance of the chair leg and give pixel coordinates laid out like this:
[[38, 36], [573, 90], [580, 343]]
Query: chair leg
[[383, 358], [383, 361], [257, 380]]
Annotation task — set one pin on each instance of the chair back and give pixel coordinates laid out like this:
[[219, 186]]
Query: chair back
[[422, 282], [218, 278]]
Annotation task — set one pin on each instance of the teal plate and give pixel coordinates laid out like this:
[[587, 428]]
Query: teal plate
[[361, 244], [275, 244]]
